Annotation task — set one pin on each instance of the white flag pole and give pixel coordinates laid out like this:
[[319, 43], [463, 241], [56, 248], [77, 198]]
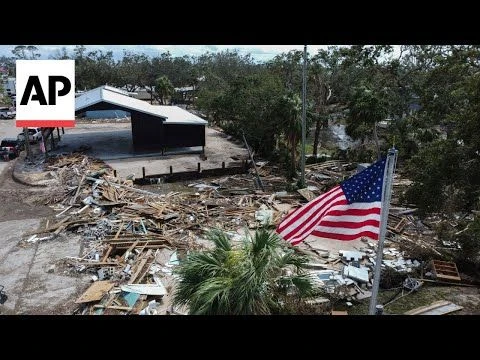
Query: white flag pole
[[386, 196]]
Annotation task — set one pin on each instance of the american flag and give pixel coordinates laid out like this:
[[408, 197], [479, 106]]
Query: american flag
[[347, 212]]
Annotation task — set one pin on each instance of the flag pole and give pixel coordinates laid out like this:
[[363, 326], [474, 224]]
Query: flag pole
[[304, 112], [386, 195]]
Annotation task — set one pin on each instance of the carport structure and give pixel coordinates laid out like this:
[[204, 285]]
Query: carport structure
[[154, 127]]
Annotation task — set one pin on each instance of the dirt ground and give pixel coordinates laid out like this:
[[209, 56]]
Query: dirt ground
[[468, 297], [23, 267]]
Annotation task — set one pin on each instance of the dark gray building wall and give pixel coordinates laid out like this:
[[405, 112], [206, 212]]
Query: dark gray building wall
[[149, 132], [177, 135]]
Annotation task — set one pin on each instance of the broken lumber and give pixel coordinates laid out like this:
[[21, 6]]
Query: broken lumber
[[441, 307], [95, 292]]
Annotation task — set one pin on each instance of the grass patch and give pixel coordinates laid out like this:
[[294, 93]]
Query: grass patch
[[426, 295]]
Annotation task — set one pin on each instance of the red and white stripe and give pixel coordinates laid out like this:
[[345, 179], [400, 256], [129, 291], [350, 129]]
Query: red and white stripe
[[330, 216]]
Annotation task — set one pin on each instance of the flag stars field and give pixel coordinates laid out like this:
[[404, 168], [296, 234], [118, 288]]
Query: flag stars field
[[347, 212]]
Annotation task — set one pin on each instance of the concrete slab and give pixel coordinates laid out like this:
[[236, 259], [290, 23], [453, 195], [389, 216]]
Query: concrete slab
[[359, 274], [23, 271], [112, 142]]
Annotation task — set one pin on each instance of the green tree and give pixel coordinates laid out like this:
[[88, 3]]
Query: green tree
[[95, 68], [132, 71], [9, 64], [163, 88], [60, 54], [289, 112], [446, 169], [247, 106], [366, 108], [289, 67], [3, 96], [320, 92], [26, 52], [79, 51], [254, 278]]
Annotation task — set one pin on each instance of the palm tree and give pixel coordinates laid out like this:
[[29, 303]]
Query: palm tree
[[254, 278], [289, 111], [367, 106], [163, 88]]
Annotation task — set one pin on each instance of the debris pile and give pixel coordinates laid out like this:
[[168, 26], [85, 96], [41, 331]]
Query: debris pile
[[348, 275], [324, 175], [133, 238], [127, 231]]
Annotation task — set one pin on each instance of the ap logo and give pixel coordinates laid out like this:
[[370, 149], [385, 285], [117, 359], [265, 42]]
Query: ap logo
[[45, 93]]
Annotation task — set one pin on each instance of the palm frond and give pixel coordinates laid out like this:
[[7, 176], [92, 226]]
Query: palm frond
[[241, 280], [220, 239]]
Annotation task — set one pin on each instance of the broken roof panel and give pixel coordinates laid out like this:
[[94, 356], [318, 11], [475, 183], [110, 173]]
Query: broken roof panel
[[110, 95]]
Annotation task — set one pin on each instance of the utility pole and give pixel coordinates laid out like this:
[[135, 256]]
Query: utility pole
[[386, 195], [304, 114], [27, 144]]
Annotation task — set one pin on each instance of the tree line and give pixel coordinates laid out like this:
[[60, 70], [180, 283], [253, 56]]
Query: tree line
[[430, 94]]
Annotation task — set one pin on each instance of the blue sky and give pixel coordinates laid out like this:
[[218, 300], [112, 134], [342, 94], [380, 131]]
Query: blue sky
[[259, 52]]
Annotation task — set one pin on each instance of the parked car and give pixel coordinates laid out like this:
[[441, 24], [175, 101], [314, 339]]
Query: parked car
[[34, 135], [5, 113], [10, 148]]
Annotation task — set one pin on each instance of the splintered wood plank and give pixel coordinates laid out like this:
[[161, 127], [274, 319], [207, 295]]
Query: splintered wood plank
[[339, 312], [119, 230], [129, 250], [441, 307], [401, 225], [143, 261], [95, 292], [307, 194], [107, 253]]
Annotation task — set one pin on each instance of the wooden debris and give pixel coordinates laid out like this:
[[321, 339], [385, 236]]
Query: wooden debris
[[444, 270], [307, 194], [140, 267], [95, 292], [114, 307], [80, 183], [441, 307]]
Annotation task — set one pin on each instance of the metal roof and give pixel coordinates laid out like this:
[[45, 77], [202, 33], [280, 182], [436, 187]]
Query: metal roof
[[114, 89], [113, 96]]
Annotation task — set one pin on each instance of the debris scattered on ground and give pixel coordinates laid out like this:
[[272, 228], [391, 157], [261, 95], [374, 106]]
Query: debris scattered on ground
[[444, 270], [441, 307], [134, 238], [127, 231], [349, 275]]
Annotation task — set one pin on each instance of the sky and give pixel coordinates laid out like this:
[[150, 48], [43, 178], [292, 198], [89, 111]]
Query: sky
[[258, 52]]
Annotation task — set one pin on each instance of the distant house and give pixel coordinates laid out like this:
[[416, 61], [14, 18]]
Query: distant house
[[185, 94], [10, 85], [154, 127], [143, 93]]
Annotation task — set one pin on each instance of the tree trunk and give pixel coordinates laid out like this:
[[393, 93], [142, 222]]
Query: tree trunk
[[294, 157], [316, 140], [375, 137], [324, 94]]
